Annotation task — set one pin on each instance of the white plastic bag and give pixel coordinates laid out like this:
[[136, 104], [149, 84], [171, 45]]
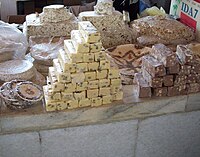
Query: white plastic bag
[[12, 41]]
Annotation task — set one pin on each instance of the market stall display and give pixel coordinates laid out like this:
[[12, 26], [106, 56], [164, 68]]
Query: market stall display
[[54, 21], [82, 75]]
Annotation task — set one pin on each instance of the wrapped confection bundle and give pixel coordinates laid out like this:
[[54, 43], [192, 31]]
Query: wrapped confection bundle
[[81, 75], [169, 73]]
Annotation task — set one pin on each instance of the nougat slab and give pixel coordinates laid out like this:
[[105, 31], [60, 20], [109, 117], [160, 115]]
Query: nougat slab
[[115, 89], [193, 88], [117, 96], [80, 45], [67, 96], [72, 53], [168, 80], [160, 92], [92, 93], [95, 47], [82, 67], [78, 77], [89, 32], [98, 56], [173, 69], [164, 55], [102, 74], [61, 106], [104, 64], [84, 102], [72, 104], [70, 87], [88, 57], [153, 66], [104, 83], [184, 54], [96, 102], [115, 82], [173, 91]]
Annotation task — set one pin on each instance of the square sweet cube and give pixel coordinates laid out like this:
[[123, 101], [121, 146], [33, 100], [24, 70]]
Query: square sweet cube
[[67, 96], [102, 74], [61, 106], [88, 57], [118, 96], [72, 104], [84, 103], [115, 89], [113, 73], [58, 86], [92, 93], [104, 83], [80, 45], [95, 47], [82, 67], [93, 84], [80, 95], [96, 101], [63, 77], [78, 77], [115, 82], [104, 91], [51, 106], [70, 87], [98, 56], [93, 66], [89, 76], [104, 64], [107, 99], [55, 96], [81, 86]]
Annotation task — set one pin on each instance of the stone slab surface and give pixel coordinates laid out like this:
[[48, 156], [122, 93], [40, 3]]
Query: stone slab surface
[[193, 102], [20, 145], [106, 140], [176, 135]]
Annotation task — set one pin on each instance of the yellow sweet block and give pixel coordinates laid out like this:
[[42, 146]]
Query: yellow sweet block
[[113, 73], [78, 77], [89, 32], [96, 102], [79, 43], [104, 64], [89, 76], [115, 82], [81, 86], [93, 84], [88, 57], [80, 95], [104, 91], [55, 96], [107, 99], [95, 47], [102, 74], [93, 66], [67, 96], [84, 103], [115, 89], [92, 93], [62, 106], [82, 67], [98, 56], [51, 106], [72, 104], [104, 83], [71, 52], [65, 62], [70, 87], [118, 96], [58, 86], [56, 65]]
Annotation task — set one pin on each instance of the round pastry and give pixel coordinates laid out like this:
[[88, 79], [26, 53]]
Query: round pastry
[[28, 91], [16, 69]]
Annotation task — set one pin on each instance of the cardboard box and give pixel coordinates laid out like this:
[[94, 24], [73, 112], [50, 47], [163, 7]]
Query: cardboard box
[[189, 13]]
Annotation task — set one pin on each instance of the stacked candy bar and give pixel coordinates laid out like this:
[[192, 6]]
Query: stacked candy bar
[[82, 76], [166, 73]]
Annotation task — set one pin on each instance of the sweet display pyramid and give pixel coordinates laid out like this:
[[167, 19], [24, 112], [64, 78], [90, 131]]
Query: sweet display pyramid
[[82, 75]]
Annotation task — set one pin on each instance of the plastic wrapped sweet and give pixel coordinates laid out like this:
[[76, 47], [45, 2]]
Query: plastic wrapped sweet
[[13, 43], [104, 7]]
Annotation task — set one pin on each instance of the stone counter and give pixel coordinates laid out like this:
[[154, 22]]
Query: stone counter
[[36, 118]]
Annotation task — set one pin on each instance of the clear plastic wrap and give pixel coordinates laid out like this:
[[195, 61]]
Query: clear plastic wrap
[[13, 43]]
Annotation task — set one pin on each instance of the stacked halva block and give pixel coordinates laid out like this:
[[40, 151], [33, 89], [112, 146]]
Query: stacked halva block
[[82, 75], [55, 20], [166, 73]]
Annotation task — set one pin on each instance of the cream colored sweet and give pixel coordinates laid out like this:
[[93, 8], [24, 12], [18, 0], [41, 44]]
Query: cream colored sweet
[[102, 74], [81, 86], [93, 84], [96, 102], [104, 91], [107, 99], [92, 93], [104, 7], [104, 83], [84, 102], [93, 66]]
